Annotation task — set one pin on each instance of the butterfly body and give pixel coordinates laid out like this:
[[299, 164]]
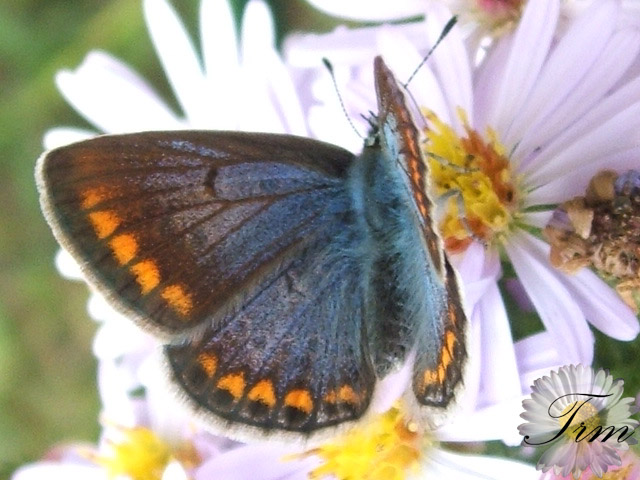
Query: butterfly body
[[286, 276]]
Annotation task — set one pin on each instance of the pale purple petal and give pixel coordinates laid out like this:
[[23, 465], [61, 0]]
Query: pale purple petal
[[566, 187], [537, 355], [371, 10], [258, 462], [570, 61], [500, 377], [604, 309], [425, 85], [178, 57], [598, 80], [559, 312], [597, 121], [451, 61], [613, 135], [538, 219], [391, 387], [113, 97], [510, 87]]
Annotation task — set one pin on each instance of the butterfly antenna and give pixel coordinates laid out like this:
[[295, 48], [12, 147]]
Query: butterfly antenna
[[445, 31], [329, 67]]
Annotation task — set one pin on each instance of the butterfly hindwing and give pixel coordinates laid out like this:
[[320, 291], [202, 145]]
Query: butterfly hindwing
[[431, 302], [177, 227], [295, 357]]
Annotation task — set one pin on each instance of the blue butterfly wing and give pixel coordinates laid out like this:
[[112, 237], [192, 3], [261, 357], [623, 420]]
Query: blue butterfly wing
[[242, 250]]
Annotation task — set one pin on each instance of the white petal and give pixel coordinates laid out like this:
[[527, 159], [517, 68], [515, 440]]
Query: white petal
[[370, 10], [68, 266], [569, 62], [559, 313], [222, 65], [443, 465], [57, 471], [218, 37], [452, 466], [178, 57], [174, 471], [113, 97], [517, 78], [267, 67], [498, 421], [348, 46], [602, 306], [61, 136]]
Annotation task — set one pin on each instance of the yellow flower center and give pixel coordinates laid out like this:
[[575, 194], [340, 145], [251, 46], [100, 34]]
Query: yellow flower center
[[141, 455], [387, 448], [587, 414], [473, 172]]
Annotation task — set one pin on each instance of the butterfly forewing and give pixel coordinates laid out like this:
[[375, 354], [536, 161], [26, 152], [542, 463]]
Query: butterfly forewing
[[177, 227]]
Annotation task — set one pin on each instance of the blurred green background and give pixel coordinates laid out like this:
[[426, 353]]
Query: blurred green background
[[47, 371]]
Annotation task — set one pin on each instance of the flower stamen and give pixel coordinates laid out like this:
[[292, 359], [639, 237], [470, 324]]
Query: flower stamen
[[476, 169], [387, 448]]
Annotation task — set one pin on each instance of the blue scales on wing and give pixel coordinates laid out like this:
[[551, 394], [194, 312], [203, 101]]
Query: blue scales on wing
[[241, 250]]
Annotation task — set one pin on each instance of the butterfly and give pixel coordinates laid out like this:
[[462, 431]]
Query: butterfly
[[285, 276]]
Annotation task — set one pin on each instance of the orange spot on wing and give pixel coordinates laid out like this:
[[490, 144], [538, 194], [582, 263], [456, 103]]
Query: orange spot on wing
[[93, 196], [299, 399], [331, 397], [445, 358], [346, 394], [147, 275], [452, 312], [450, 339], [104, 222], [263, 392], [441, 373], [178, 299], [125, 248], [234, 384], [208, 362], [430, 377]]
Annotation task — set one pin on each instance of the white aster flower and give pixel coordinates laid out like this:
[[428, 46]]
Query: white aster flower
[[234, 85], [580, 419], [538, 119]]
